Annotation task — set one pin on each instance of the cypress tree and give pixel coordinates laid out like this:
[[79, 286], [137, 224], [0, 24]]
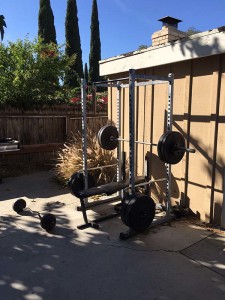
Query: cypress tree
[[46, 27], [73, 44], [86, 73], [2, 25], [95, 45]]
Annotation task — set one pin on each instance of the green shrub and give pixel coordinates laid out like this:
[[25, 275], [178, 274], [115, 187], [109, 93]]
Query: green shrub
[[33, 73]]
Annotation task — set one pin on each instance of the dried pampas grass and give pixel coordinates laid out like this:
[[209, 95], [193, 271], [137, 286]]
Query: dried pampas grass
[[69, 159]]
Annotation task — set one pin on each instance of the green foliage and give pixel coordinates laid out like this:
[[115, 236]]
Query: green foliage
[[86, 72], [2, 25], [46, 27], [32, 73], [192, 30], [95, 45], [141, 47], [73, 44]]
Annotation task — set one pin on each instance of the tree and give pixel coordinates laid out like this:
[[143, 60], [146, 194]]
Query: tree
[[95, 45], [86, 73], [31, 73], [192, 30], [2, 25], [46, 27], [141, 47], [73, 44]]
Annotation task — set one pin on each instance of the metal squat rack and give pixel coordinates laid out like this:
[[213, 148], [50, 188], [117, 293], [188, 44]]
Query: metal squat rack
[[133, 81], [85, 205]]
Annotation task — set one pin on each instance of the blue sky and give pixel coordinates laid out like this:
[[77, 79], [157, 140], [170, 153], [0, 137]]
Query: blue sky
[[124, 24]]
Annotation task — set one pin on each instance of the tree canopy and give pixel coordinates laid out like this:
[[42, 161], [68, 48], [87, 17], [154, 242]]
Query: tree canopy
[[2, 25], [46, 27], [95, 45], [192, 30], [73, 44]]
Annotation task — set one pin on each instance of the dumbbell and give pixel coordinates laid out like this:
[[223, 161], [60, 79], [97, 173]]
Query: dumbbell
[[48, 221]]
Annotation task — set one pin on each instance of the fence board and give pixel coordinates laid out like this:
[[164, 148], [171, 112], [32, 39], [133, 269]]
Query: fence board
[[42, 131]]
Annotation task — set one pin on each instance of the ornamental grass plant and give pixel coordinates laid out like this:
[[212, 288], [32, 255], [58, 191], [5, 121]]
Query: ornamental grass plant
[[70, 159]]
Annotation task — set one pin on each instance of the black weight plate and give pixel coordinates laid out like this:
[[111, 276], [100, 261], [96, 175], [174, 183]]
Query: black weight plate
[[160, 146], [76, 183], [48, 222], [107, 137], [99, 135], [138, 212], [124, 206], [19, 205], [69, 183], [168, 147]]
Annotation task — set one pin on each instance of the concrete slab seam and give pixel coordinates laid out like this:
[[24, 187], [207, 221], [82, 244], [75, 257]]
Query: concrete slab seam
[[196, 261]]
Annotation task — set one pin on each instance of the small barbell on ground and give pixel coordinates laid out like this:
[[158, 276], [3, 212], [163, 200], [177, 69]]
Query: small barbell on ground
[[48, 221], [171, 146]]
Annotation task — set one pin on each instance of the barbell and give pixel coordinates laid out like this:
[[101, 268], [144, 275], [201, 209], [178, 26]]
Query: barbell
[[171, 146], [48, 221]]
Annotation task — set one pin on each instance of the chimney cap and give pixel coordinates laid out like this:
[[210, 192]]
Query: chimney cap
[[170, 21]]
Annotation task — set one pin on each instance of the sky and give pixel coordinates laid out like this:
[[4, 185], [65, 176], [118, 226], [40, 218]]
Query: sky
[[124, 24]]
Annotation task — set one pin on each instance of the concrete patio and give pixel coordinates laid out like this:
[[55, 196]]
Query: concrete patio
[[180, 260]]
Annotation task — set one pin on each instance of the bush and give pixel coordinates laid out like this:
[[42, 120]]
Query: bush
[[101, 101], [69, 159], [32, 73]]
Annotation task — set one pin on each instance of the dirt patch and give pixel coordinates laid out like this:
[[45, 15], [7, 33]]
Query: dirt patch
[[214, 228]]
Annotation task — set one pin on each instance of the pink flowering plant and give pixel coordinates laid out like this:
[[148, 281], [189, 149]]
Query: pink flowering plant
[[101, 101]]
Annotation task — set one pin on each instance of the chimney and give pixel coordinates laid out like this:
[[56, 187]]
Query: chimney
[[168, 33]]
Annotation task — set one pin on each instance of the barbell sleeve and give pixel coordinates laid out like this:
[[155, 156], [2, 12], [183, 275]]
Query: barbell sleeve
[[189, 150]]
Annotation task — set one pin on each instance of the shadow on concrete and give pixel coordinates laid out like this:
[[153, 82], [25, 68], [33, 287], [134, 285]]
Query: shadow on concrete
[[94, 264], [31, 186]]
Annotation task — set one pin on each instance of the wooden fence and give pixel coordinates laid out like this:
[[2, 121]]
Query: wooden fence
[[42, 132]]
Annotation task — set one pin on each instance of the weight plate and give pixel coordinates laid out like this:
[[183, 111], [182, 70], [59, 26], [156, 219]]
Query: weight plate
[[76, 183], [160, 146], [138, 212], [48, 222], [107, 137], [124, 206], [19, 205], [168, 147], [72, 177]]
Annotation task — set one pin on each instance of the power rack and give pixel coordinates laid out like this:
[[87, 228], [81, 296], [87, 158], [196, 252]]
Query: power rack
[[133, 205]]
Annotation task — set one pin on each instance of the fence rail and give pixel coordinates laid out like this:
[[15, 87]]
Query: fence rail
[[46, 130]]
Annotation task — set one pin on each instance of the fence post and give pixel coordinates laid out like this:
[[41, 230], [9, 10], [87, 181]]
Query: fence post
[[94, 99]]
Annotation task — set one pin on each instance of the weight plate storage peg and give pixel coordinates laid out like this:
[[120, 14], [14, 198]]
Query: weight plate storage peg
[[171, 147], [48, 222], [19, 205], [138, 212], [76, 183], [108, 137]]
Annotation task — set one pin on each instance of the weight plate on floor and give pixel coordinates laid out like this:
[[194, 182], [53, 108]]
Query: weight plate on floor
[[48, 222], [168, 147], [19, 205], [107, 137], [76, 183], [138, 212]]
